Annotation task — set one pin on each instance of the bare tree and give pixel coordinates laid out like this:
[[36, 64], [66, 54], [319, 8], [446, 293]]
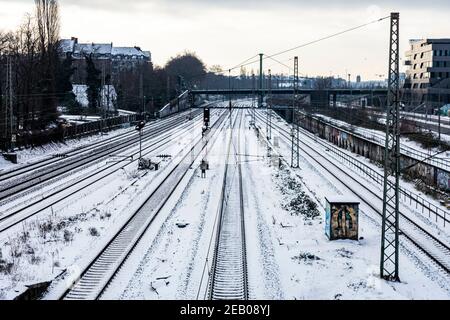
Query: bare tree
[[48, 28]]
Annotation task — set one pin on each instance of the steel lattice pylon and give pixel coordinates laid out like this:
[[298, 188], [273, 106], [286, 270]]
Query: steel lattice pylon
[[295, 152], [254, 106], [269, 110], [389, 235]]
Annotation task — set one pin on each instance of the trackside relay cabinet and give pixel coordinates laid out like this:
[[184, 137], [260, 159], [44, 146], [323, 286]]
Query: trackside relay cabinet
[[341, 218]]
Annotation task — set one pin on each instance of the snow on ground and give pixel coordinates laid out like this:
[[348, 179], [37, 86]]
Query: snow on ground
[[315, 268], [435, 227], [168, 263], [70, 233], [289, 256], [379, 137], [30, 155]]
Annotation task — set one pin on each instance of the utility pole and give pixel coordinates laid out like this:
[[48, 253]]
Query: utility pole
[[102, 98], [390, 219], [253, 99], [229, 103], [8, 132], [269, 109], [12, 140], [295, 152], [141, 94], [261, 95], [439, 113], [168, 89], [7, 94]]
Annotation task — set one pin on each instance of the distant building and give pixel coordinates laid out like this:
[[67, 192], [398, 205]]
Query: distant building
[[358, 79], [112, 60], [428, 76]]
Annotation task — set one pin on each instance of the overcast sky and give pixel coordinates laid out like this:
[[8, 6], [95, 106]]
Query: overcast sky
[[228, 32]]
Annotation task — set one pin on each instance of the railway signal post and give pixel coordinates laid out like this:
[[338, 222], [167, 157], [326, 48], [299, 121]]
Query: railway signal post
[[269, 111], [139, 128], [390, 219]]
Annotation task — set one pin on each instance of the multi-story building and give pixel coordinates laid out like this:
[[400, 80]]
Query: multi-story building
[[107, 58], [428, 76]]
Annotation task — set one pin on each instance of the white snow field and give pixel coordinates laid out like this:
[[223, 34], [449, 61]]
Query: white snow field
[[288, 255]]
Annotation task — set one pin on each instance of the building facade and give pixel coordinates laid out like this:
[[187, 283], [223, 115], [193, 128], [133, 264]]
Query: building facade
[[107, 58], [428, 76]]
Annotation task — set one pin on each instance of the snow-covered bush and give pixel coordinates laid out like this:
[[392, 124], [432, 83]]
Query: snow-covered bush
[[68, 235], [94, 232]]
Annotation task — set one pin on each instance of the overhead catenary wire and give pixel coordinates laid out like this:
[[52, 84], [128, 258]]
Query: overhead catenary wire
[[322, 39], [247, 62]]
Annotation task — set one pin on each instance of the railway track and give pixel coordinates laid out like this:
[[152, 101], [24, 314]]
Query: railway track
[[22, 180], [37, 165], [96, 277], [436, 250], [436, 213], [229, 269], [18, 215], [439, 161]]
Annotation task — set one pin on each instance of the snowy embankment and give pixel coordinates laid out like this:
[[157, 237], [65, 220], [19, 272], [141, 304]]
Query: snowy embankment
[[289, 255], [68, 234], [31, 155], [342, 269], [408, 146]]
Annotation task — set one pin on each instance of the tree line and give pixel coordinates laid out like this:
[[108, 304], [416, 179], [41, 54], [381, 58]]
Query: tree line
[[36, 78]]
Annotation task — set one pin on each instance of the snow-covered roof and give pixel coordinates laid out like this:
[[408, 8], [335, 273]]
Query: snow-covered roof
[[129, 51], [147, 54], [67, 45], [100, 49], [342, 199], [95, 48]]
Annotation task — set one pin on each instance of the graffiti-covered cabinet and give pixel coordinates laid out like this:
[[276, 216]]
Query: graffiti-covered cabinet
[[341, 218]]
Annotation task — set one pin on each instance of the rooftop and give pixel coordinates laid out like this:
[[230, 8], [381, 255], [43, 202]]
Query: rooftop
[[72, 46]]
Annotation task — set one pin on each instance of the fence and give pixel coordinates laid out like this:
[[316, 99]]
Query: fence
[[415, 200], [62, 132], [427, 172]]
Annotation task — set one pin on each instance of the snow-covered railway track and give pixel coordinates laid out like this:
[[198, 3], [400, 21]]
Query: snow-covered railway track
[[53, 160], [435, 249], [95, 279], [377, 136], [229, 270], [31, 177], [18, 215]]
